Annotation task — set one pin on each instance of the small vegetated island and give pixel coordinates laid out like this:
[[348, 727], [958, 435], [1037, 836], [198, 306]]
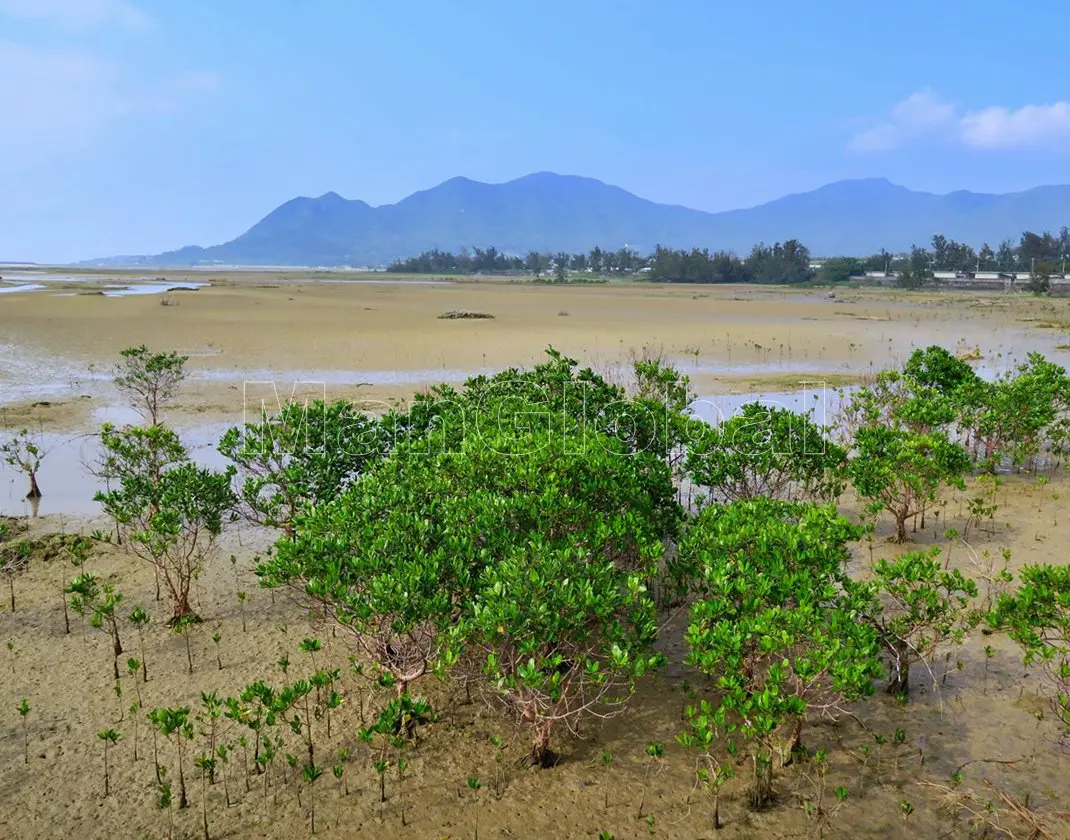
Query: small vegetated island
[[522, 540]]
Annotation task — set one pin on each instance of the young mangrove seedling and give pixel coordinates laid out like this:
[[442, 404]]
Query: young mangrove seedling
[[135, 713], [310, 774], [140, 619], [381, 765], [211, 712], [132, 667], [474, 785], [403, 765], [99, 603], [241, 604], [24, 712], [164, 800], [607, 762], [175, 725], [222, 753], [311, 647], [217, 637], [182, 626], [340, 770], [654, 751], [110, 737], [206, 764]]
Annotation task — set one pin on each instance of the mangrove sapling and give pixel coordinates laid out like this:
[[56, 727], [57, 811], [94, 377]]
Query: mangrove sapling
[[165, 800], [917, 606], [135, 713], [118, 688], [100, 603], [110, 737], [499, 758], [24, 713], [898, 740], [710, 773], [241, 605], [327, 699], [140, 619], [155, 717], [403, 765], [904, 470], [256, 709], [222, 754], [79, 550], [132, 668], [381, 765], [475, 785], [243, 742], [148, 380], [266, 761], [183, 626], [172, 519], [24, 453], [217, 637], [211, 711], [174, 724], [310, 774], [311, 647], [206, 763], [989, 653], [340, 770], [11, 652], [293, 764], [294, 697], [712, 777], [654, 752]]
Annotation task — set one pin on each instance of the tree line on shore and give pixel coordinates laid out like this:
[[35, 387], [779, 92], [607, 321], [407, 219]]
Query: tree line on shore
[[789, 262]]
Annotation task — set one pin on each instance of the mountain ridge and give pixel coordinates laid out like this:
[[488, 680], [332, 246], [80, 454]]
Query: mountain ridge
[[545, 211]]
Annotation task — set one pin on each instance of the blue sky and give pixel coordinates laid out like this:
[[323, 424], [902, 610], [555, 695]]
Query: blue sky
[[135, 126]]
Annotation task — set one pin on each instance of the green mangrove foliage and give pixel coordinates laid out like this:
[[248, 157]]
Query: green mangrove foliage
[[303, 455], [24, 452], [774, 626], [902, 471], [172, 521], [919, 606], [769, 452], [1037, 617]]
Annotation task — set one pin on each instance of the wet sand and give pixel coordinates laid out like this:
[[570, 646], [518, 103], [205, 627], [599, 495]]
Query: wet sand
[[234, 331]]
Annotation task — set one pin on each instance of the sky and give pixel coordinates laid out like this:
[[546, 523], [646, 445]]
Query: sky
[[138, 126]]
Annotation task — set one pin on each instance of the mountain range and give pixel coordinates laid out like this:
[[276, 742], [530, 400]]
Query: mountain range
[[550, 212]]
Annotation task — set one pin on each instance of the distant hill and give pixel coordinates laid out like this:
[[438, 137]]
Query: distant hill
[[548, 212]]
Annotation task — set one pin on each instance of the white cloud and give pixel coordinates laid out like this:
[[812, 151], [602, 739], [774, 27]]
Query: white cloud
[[919, 114], [1034, 126], [77, 14], [924, 115]]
